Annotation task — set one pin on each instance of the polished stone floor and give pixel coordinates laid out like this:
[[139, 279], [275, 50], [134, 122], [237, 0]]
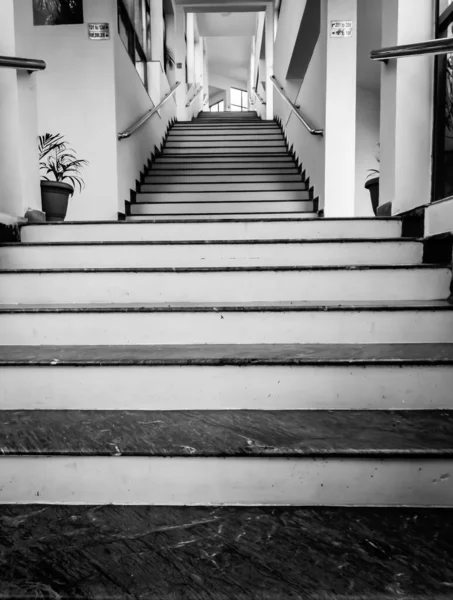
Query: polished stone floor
[[229, 553]]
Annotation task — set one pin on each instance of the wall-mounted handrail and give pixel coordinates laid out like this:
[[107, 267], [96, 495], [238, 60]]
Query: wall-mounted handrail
[[22, 64], [192, 100], [431, 47], [148, 115], [262, 100], [295, 109]]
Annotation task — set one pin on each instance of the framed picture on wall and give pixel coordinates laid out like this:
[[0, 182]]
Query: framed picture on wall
[[57, 12]]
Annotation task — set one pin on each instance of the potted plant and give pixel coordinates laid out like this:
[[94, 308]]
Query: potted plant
[[372, 184], [62, 174]]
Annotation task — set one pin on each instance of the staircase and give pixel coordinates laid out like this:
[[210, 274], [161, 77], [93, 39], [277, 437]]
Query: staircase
[[224, 396]]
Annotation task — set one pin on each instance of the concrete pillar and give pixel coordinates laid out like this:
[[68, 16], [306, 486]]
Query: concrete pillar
[[157, 32], [190, 36], [180, 59], [205, 74], [406, 108], [19, 172], [340, 124], [269, 33]]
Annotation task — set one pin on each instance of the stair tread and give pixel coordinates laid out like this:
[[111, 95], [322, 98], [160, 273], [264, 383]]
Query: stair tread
[[266, 553], [229, 354], [289, 433], [406, 305]]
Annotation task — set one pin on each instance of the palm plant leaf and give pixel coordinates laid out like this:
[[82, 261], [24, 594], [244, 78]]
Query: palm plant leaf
[[58, 159]]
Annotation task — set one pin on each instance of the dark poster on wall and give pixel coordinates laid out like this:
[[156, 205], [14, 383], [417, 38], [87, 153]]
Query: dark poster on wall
[[57, 12]]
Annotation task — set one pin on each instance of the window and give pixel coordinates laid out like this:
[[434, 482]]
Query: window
[[218, 106], [134, 27], [239, 100]]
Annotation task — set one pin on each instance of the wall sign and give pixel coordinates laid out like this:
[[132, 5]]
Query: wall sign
[[99, 31], [341, 29]]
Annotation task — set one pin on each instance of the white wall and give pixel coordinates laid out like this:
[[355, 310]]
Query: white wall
[[132, 102], [76, 97], [367, 138], [309, 149]]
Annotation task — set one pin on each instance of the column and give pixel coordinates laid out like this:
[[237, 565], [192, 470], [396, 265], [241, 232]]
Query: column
[[180, 59], [406, 107], [156, 65], [340, 125], [190, 36], [269, 33], [19, 172]]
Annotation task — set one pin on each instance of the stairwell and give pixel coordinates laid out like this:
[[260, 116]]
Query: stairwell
[[225, 396]]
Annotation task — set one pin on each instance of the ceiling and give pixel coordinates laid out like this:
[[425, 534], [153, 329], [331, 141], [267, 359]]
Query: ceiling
[[235, 24], [229, 57]]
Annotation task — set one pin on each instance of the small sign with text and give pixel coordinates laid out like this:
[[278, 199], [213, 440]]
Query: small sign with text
[[99, 31], [341, 29]]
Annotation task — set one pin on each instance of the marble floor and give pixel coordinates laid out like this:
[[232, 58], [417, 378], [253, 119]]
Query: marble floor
[[225, 553]]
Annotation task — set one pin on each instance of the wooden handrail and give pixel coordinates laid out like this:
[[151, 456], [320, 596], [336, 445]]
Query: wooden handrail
[[22, 64], [192, 100], [295, 109], [148, 115], [431, 47]]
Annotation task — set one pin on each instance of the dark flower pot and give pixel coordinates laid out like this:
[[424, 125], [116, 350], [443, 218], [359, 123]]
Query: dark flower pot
[[372, 185], [55, 197]]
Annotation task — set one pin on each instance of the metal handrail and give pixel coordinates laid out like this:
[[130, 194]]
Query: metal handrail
[[294, 108], [148, 115], [22, 64], [431, 47], [191, 101], [259, 97]]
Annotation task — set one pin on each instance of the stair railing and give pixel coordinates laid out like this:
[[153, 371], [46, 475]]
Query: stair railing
[[262, 100], [192, 100], [295, 109], [433, 47], [148, 115], [22, 64]]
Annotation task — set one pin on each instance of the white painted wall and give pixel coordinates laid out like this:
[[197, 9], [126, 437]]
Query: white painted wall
[[310, 95], [367, 138], [439, 217], [132, 102], [76, 97]]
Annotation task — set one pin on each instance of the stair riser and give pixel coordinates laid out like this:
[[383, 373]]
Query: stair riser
[[225, 129], [212, 231], [223, 188], [215, 144], [203, 208], [230, 481], [256, 387], [225, 327], [261, 197], [232, 162], [210, 255], [220, 138], [238, 149], [224, 177], [225, 286], [215, 216]]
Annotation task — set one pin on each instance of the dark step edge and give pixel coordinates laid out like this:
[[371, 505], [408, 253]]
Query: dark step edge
[[245, 242], [156, 203], [230, 269]]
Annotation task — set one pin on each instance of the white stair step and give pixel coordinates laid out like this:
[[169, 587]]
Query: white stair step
[[217, 207], [205, 254], [226, 150], [220, 188], [292, 228], [175, 136], [222, 177], [225, 129], [225, 196], [233, 284], [226, 216], [301, 481], [253, 323], [231, 162], [247, 145], [266, 377]]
